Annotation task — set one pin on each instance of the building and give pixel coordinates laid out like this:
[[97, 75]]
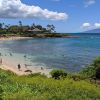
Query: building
[[35, 31]]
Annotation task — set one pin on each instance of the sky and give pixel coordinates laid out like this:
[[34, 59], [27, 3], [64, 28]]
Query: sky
[[66, 15]]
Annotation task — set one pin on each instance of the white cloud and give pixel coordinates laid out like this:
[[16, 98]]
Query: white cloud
[[90, 26], [86, 25], [17, 9], [97, 25], [89, 2]]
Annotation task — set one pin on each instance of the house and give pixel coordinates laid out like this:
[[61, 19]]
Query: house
[[35, 31]]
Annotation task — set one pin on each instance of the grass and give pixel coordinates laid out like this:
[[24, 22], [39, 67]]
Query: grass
[[37, 87]]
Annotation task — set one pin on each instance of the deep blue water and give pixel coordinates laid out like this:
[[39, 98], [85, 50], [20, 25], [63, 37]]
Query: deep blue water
[[69, 53]]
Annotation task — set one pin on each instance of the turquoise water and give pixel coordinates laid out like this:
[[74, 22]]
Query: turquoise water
[[68, 53]]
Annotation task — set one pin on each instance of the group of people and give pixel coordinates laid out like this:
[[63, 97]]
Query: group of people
[[1, 58], [18, 66]]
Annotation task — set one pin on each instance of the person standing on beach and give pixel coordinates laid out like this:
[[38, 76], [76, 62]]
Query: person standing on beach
[[19, 67], [1, 61], [0, 54]]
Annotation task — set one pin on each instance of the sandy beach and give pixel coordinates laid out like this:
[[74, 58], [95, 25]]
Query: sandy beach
[[13, 66], [14, 38]]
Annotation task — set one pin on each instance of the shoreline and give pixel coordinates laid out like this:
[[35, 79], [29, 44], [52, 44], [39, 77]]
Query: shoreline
[[21, 38], [11, 64], [21, 72], [14, 38]]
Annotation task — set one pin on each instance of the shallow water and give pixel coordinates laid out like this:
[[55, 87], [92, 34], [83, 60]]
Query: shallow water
[[68, 53]]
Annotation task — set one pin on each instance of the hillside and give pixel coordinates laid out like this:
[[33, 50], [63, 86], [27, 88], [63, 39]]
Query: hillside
[[61, 86], [37, 87]]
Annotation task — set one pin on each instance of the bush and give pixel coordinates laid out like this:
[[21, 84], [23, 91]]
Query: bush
[[87, 72], [37, 74], [57, 74], [75, 76], [1, 92], [90, 71], [96, 62]]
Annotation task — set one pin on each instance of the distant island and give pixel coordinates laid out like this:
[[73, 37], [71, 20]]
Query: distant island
[[93, 31]]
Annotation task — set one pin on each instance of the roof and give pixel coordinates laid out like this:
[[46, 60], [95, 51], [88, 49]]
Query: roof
[[35, 30]]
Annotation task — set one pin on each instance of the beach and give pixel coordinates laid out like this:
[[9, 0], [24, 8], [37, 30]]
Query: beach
[[24, 70], [11, 60], [14, 38]]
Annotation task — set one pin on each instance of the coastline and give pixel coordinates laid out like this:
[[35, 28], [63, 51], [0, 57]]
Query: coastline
[[22, 37], [14, 38], [8, 65]]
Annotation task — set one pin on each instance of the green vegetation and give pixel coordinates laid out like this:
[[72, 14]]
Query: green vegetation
[[58, 74], [39, 87], [33, 30], [90, 70], [13, 87]]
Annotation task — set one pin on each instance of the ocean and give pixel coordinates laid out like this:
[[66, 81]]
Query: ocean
[[71, 54]]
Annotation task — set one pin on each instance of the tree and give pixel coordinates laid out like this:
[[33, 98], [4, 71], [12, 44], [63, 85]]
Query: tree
[[1, 25], [20, 23], [33, 26], [51, 28], [7, 27], [39, 27], [14, 28], [20, 27]]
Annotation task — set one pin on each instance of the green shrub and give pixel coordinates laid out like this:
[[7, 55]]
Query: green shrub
[[96, 62], [75, 76], [37, 74], [1, 92], [90, 70], [57, 74]]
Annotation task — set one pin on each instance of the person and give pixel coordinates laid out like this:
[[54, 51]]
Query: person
[[41, 68], [0, 54], [10, 54], [1, 61], [25, 56], [19, 67], [25, 65]]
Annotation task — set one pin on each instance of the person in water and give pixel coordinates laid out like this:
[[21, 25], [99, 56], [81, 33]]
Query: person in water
[[19, 67], [10, 54], [0, 54], [25, 56]]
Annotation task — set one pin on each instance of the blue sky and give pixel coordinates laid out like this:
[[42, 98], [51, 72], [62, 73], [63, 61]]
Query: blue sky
[[78, 15]]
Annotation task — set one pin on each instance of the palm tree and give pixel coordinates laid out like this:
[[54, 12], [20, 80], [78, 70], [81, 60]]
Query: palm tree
[[20, 23], [7, 27], [1, 25], [33, 26], [20, 27], [51, 28]]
